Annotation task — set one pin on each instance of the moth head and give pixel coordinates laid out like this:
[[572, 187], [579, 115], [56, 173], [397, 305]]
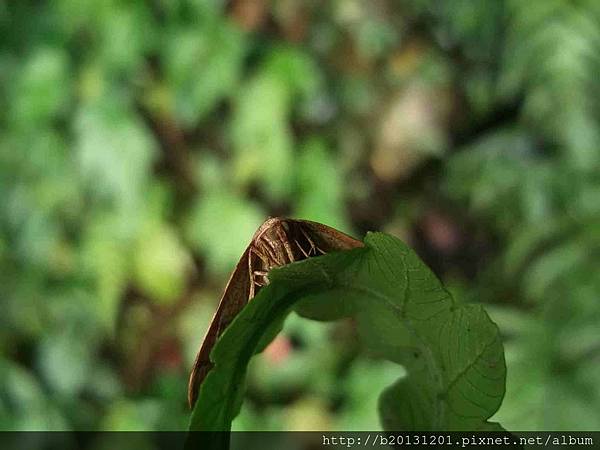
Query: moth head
[[270, 223]]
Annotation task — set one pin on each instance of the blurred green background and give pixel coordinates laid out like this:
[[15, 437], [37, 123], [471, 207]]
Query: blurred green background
[[143, 142]]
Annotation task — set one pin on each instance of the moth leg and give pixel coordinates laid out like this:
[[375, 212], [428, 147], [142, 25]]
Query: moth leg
[[264, 258], [306, 255], [254, 283], [249, 274], [262, 278]]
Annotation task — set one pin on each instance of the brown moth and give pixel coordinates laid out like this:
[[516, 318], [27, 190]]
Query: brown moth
[[277, 242]]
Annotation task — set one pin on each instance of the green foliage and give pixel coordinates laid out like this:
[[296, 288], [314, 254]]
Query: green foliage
[[142, 143], [319, 191], [551, 52], [261, 136], [452, 352], [219, 225], [534, 183], [202, 65]]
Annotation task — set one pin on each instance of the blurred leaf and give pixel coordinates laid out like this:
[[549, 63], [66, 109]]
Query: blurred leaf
[[65, 361], [409, 132], [550, 54], [161, 263], [360, 411], [496, 170], [286, 118], [306, 415], [477, 26], [261, 137], [251, 419], [128, 416], [285, 370], [42, 89], [536, 380], [194, 323], [30, 410], [295, 69], [369, 27], [203, 65], [105, 259], [554, 263], [319, 187], [260, 131], [114, 152], [40, 192], [126, 32], [220, 225]]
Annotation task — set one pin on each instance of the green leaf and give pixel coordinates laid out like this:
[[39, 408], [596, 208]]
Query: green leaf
[[452, 353]]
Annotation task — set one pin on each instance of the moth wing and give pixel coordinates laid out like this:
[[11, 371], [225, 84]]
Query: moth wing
[[326, 238], [238, 292]]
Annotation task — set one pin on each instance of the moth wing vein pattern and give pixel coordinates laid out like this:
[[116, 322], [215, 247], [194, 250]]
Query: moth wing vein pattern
[[277, 242]]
